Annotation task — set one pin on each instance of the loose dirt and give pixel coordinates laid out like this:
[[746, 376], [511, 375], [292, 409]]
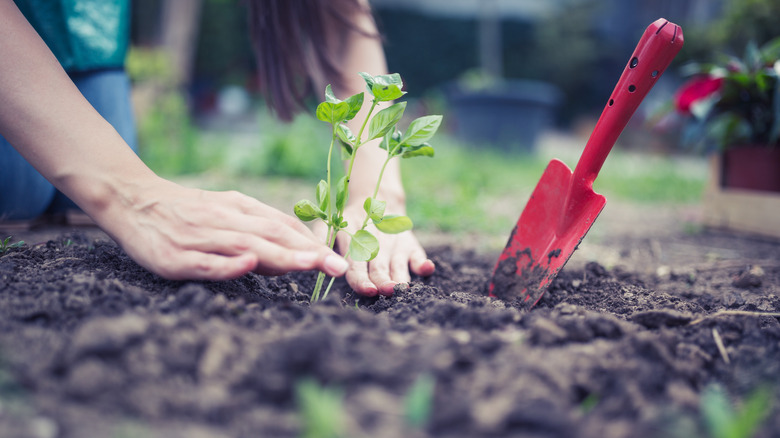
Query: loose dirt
[[92, 345]]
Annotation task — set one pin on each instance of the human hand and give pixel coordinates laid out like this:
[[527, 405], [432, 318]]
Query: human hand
[[399, 256], [184, 233]]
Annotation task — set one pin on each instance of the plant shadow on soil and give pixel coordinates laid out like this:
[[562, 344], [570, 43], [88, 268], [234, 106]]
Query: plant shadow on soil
[[93, 345]]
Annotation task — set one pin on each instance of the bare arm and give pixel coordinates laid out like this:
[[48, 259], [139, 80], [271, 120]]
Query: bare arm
[[174, 231]]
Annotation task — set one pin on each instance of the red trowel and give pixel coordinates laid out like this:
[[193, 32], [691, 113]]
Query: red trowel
[[563, 206]]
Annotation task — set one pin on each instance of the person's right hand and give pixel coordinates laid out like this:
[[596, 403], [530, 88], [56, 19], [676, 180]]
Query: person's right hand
[[185, 233]]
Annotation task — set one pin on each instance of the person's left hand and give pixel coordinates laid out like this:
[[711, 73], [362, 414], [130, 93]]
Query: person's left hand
[[400, 255]]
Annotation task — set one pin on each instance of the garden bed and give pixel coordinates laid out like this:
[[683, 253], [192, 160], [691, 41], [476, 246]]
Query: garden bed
[[92, 345]]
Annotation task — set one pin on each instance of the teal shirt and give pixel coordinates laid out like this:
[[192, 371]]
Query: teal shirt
[[83, 34]]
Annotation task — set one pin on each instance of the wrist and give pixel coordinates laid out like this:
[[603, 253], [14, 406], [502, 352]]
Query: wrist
[[394, 197], [109, 191]]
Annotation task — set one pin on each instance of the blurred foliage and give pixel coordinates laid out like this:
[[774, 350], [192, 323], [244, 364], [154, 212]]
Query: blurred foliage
[[224, 52], [145, 65], [446, 38], [298, 149], [167, 138], [321, 410], [570, 54], [725, 419], [744, 109], [743, 21]]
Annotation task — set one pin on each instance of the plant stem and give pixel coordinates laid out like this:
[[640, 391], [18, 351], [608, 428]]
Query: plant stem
[[359, 139], [390, 155], [332, 230], [315, 296], [327, 289]]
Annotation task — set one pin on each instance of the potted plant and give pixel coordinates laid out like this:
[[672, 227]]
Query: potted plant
[[733, 107]]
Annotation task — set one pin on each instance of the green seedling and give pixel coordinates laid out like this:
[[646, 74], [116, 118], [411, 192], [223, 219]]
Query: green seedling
[[418, 402], [330, 199], [5, 244], [723, 420], [321, 410]]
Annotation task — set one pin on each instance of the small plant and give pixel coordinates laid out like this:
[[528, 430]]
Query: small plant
[[321, 410], [330, 199], [5, 244], [418, 402], [723, 420], [736, 101]]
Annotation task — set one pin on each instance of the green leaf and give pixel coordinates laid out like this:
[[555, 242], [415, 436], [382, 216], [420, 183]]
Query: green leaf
[[308, 211], [387, 87], [338, 221], [385, 120], [394, 224], [418, 402], [375, 209], [421, 130], [390, 141], [387, 93], [369, 80], [424, 150], [329, 96], [333, 110], [363, 247], [389, 79], [341, 193], [355, 102], [322, 196], [702, 108], [345, 134]]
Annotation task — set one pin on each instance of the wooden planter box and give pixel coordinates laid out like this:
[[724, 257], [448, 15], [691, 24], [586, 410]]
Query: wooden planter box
[[744, 210]]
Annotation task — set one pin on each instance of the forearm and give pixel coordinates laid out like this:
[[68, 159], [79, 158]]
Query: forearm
[[364, 53], [53, 127]]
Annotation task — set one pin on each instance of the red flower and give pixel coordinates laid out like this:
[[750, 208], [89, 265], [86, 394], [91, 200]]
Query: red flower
[[694, 90]]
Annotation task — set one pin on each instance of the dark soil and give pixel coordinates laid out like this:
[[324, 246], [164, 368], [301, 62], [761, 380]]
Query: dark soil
[[92, 345]]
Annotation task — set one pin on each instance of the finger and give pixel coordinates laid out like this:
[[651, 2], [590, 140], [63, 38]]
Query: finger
[[399, 268], [320, 231], [255, 208], [358, 280], [195, 265], [233, 242], [277, 259], [420, 264], [379, 273]]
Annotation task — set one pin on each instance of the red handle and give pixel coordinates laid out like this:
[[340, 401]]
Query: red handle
[[653, 54]]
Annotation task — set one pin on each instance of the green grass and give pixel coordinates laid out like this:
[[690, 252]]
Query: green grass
[[467, 188]]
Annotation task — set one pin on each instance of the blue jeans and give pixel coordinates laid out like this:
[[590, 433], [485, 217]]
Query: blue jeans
[[24, 193]]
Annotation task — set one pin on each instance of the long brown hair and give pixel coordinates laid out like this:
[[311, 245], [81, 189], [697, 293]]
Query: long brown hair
[[298, 45]]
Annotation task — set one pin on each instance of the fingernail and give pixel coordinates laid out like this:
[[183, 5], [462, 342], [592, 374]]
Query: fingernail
[[305, 258], [336, 265], [387, 288], [370, 288]]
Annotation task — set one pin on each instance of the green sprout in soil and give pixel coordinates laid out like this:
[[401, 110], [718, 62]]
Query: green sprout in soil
[[330, 198], [418, 402], [724, 420], [5, 244], [321, 410]]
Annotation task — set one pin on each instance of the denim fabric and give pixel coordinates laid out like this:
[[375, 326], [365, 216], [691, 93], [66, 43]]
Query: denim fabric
[[24, 193]]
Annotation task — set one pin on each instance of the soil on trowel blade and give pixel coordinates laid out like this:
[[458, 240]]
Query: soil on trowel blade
[[93, 345]]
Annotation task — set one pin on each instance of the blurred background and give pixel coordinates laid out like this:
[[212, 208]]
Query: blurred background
[[518, 82]]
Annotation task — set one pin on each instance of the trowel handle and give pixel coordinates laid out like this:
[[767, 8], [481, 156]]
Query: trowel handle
[[653, 54]]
